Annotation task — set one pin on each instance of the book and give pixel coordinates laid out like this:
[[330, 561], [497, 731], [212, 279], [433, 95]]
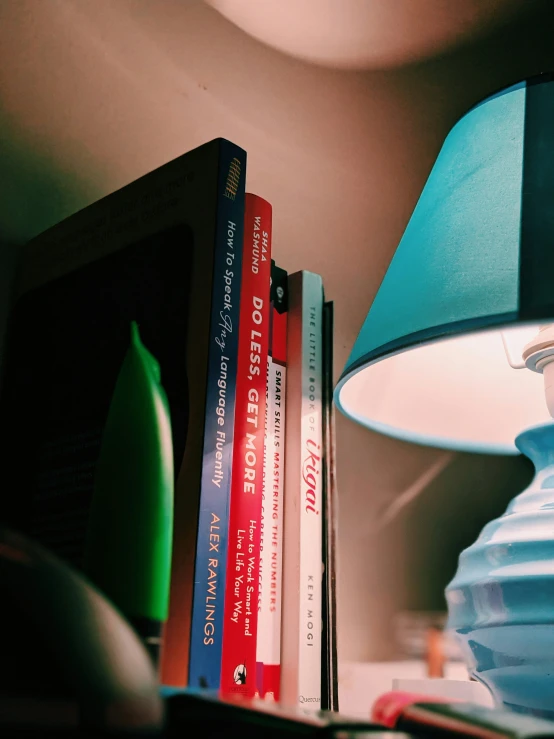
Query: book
[[264, 513], [303, 513], [238, 665], [206, 633], [271, 543], [329, 658], [148, 253]]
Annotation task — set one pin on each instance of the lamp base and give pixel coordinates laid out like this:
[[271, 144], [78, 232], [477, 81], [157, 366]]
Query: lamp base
[[501, 601]]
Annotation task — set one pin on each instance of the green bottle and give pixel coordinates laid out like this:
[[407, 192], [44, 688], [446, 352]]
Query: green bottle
[[129, 535]]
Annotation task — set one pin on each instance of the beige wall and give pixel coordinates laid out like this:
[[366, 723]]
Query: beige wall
[[95, 94]]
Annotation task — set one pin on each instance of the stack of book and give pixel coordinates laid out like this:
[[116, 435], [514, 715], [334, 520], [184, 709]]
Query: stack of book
[[245, 354]]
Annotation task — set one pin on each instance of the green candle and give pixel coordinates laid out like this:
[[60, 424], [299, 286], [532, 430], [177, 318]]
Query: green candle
[[129, 536]]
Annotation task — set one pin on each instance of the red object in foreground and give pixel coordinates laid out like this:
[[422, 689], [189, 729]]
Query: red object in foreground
[[425, 715], [389, 708]]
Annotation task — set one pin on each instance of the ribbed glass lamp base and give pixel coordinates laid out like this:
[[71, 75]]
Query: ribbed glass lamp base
[[501, 601]]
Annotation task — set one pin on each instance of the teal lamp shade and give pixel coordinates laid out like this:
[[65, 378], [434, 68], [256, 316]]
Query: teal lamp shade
[[438, 358]]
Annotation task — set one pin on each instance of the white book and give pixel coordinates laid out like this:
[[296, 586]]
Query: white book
[[269, 613], [303, 520]]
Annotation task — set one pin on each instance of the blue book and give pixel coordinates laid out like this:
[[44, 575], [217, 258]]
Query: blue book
[[211, 548]]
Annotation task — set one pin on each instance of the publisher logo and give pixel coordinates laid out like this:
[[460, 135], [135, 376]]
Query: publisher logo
[[233, 180], [304, 699], [239, 675]]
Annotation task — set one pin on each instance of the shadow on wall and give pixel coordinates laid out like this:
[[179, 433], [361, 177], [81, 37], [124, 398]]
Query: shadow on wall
[[448, 517], [399, 558], [34, 193]]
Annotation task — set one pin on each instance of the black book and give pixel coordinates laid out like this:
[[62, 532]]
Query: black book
[[329, 658]]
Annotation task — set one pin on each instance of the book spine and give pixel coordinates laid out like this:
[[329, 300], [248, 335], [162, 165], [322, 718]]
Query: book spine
[[329, 662], [211, 547], [311, 491], [269, 611], [238, 667], [263, 521], [302, 584]]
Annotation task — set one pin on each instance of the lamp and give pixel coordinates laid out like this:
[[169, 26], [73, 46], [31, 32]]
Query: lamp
[[451, 355]]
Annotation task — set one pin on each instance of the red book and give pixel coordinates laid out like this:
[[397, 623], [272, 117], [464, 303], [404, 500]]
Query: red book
[[240, 617]]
